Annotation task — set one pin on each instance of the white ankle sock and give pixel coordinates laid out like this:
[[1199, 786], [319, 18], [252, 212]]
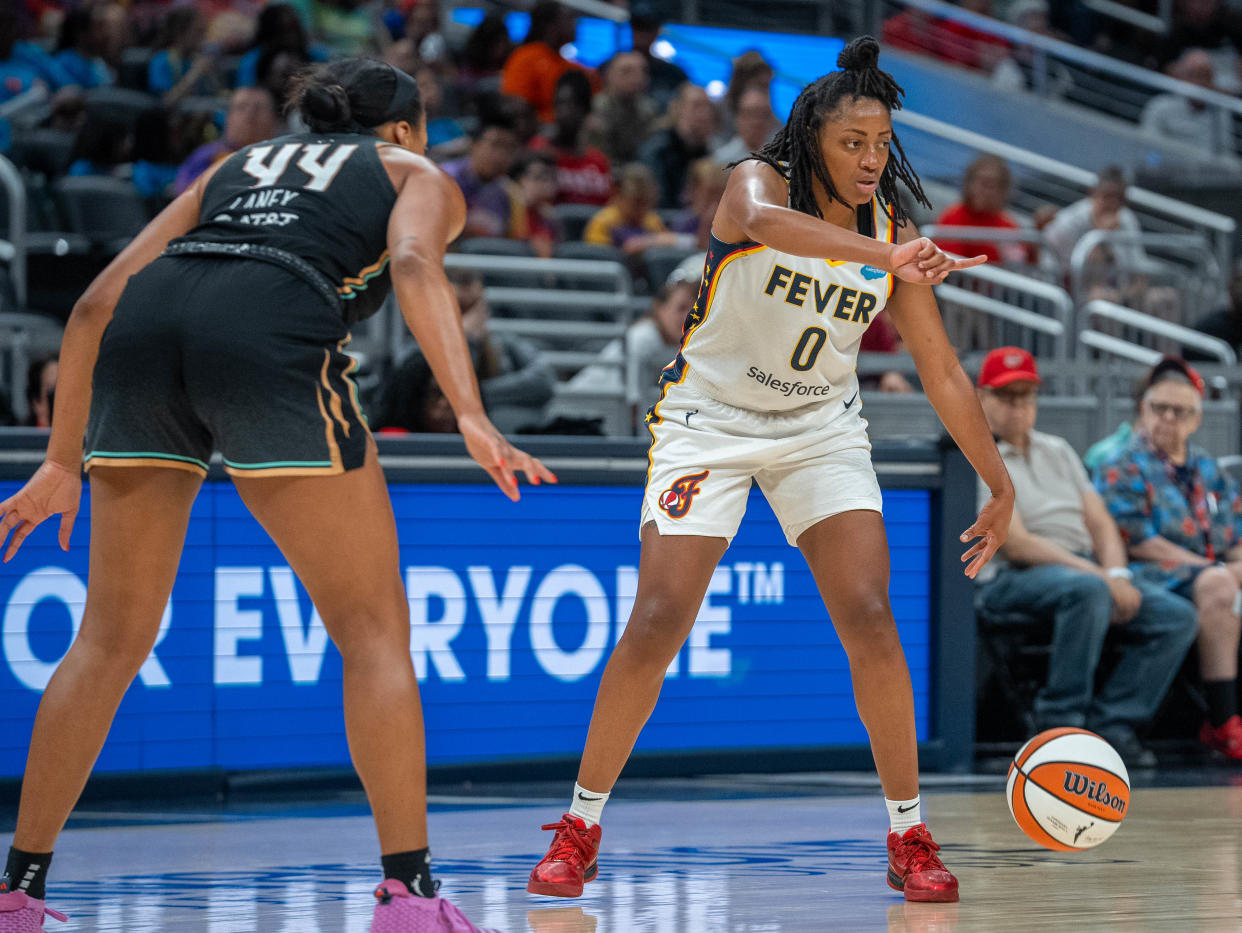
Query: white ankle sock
[[903, 814], [587, 805]]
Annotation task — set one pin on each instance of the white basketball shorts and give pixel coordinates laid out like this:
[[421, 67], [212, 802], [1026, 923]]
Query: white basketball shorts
[[811, 464]]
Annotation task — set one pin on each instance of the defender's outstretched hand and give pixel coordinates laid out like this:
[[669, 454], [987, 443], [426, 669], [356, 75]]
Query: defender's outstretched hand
[[53, 490], [499, 458], [992, 526], [924, 263]]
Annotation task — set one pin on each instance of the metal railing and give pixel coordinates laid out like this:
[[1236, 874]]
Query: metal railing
[[1007, 307], [1182, 284], [1046, 266], [15, 189], [1136, 320], [1173, 215], [1117, 79]]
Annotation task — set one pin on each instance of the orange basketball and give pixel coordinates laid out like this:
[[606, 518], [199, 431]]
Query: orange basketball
[[1068, 789]]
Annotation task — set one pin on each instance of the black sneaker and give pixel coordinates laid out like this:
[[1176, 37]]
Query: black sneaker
[[1136, 755]]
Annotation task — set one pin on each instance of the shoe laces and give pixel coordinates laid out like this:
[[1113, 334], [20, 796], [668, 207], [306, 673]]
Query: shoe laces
[[570, 842], [918, 849]]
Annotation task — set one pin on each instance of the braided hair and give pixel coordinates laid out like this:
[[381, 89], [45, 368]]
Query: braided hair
[[794, 151]]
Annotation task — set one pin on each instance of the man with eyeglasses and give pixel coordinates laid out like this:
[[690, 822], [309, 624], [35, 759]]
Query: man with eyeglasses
[[1065, 562], [1181, 519]]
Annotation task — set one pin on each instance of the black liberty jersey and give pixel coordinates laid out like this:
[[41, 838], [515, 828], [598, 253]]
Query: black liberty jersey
[[318, 202]]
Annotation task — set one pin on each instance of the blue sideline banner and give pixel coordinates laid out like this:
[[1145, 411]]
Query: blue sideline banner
[[514, 609]]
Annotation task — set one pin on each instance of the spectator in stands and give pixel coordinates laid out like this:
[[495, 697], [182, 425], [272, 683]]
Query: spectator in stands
[[348, 27], [985, 196], [970, 46], [422, 28], [666, 79], [278, 28], [754, 123], [958, 43], [157, 151], [183, 66], [535, 176], [104, 146], [750, 72], [623, 114], [483, 174], [1181, 519], [514, 383], [276, 72], [1114, 271], [486, 51], [251, 118], [24, 64], [584, 174], [1226, 323], [669, 152], [633, 363], [41, 391], [704, 188], [630, 222], [1213, 25], [446, 137], [90, 42], [412, 399], [1018, 71], [536, 66], [1065, 562], [1104, 208], [1174, 117]]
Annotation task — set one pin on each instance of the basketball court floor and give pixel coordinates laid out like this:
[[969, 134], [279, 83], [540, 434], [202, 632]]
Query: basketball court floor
[[722, 854]]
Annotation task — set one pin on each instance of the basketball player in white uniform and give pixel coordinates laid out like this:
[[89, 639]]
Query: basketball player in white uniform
[[764, 388]]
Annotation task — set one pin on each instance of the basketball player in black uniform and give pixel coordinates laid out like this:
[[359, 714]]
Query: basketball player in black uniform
[[222, 327]]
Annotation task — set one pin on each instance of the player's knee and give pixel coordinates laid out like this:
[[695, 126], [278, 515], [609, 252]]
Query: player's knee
[[656, 629], [867, 626], [368, 628], [119, 646]]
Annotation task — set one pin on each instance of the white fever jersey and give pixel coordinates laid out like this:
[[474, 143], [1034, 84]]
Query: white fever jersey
[[775, 332]]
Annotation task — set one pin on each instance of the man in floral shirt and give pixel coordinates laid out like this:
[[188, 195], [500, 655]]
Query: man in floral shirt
[[1181, 520]]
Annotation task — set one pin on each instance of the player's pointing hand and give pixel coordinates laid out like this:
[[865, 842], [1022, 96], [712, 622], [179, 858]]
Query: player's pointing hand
[[924, 263]]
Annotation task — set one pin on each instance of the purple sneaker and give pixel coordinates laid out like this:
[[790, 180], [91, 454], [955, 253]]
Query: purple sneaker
[[399, 911], [21, 913]]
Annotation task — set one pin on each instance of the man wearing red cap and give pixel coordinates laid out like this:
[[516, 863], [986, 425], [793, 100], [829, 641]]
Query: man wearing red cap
[[1065, 561]]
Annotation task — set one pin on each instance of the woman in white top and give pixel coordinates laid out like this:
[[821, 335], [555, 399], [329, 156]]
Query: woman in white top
[[764, 388]]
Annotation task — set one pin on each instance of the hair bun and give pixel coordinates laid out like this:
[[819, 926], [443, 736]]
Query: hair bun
[[859, 54], [326, 107]]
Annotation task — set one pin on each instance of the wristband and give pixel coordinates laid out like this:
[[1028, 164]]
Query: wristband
[[1120, 573]]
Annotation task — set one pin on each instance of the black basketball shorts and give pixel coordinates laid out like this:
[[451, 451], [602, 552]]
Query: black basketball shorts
[[235, 355]]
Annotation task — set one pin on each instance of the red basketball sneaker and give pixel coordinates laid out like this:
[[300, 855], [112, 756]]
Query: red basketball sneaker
[[915, 869], [571, 860], [1225, 738]]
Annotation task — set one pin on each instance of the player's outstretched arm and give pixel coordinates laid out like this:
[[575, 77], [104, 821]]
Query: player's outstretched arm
[[56, 487], [754, 208], [917, 318], [429, 214]]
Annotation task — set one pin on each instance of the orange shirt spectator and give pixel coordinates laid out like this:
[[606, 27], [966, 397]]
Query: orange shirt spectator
[[535, 66]]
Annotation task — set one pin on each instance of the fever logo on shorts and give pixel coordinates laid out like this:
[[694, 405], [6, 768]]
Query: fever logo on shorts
[[677, 499]]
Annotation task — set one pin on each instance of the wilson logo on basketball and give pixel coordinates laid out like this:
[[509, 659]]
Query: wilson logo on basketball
[[1082, 786], [677, 499]]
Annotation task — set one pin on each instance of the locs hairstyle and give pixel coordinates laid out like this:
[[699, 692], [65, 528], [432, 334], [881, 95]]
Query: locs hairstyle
[[794, 151]]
